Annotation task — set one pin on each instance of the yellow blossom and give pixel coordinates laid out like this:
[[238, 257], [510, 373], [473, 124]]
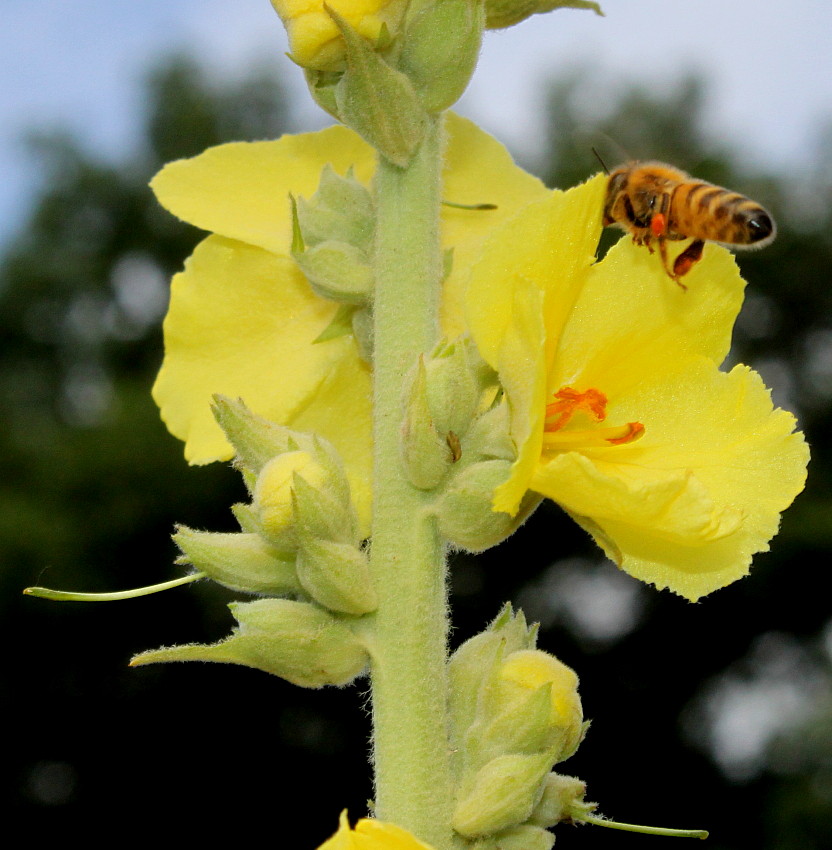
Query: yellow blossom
[[619, 409], [371, 834], [242, 318], [315, 41]]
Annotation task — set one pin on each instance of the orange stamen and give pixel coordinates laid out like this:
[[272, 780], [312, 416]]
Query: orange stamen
[[635, 430], [569, 402], [592, 402]]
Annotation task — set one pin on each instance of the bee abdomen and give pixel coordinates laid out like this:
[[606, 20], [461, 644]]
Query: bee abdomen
[[708, 212]]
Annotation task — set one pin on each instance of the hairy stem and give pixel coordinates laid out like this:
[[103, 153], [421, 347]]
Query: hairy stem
[[412, 771]]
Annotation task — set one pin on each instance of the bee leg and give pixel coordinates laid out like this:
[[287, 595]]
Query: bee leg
[[671, 273], [688, 259]]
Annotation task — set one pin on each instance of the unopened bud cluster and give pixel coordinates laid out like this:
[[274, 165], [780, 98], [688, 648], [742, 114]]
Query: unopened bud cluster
[[299, 538], [382, 66], [332, 244], [515, 712], [456, 442]]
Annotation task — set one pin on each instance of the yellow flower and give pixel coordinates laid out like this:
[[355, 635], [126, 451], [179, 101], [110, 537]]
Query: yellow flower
[[371, 834], [242, 318], [315, 41], [619, 410]]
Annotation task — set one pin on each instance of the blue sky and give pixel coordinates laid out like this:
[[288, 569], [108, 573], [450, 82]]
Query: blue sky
[[79, 65]]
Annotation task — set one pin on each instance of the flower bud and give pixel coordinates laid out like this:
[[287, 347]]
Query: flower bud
[[341, 210], [239, 561], [337, 271], [502, 794], [473, 663], [465, 512], [298, 641], [527, 671], [273, 493], [506, 13], [315, 41], [440, 49], [426, 455], [337, 576], [453, 382]]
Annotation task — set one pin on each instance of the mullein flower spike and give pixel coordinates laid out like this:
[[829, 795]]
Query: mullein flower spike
[[242, 308]]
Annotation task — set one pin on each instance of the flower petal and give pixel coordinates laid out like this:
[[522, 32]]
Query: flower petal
[[519, 296], [241, 322], [632, 321], [478, 170], [341, 411], [371, 834], [241, 190], [688, 505]]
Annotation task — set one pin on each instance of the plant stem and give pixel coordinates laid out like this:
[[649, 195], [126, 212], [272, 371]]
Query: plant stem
[[410, 627]]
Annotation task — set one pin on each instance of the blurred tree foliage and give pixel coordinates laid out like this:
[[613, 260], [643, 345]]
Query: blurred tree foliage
[[93, 485]]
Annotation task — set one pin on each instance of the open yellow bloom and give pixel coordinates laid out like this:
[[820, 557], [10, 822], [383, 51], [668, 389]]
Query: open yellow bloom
[[619, 410], [371, 834], [314, 39], [242, 318]]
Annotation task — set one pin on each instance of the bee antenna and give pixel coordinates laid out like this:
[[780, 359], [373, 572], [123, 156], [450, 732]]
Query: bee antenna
[[598, 157]]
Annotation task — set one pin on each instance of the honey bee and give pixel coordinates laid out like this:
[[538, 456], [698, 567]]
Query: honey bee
[[653, 201]]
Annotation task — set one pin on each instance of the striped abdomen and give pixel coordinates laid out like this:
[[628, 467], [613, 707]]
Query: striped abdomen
[[703, 211]]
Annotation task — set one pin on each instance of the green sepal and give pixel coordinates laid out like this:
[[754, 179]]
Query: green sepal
[[426, 455], [246, 517], [362, 328], [526, 727], [440, 48], [240, 561], [502, 794], [464, 511], [323, 515], [523, 837], [454, 385], [256, 440], [337, 576], [337, 271], [322, 85], [562, 800], [298, 641], [447, 263], [506, 13], [377, 101], [489, 437], [476, 660], [298, 243], [341, 325], [341, 210]]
